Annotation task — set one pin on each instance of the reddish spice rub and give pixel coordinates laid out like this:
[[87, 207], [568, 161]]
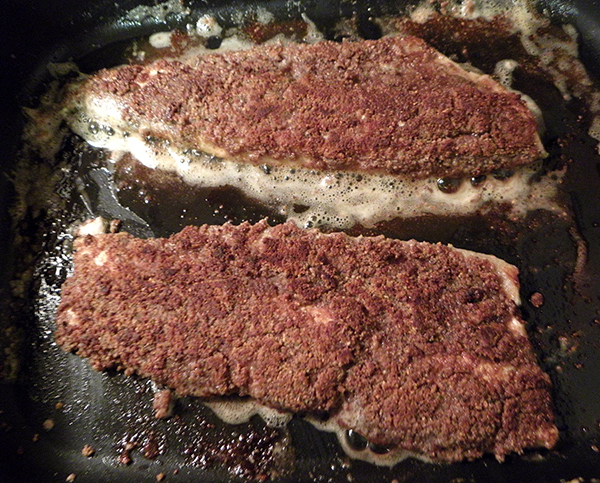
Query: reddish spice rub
[[393, 106], [412, 345]]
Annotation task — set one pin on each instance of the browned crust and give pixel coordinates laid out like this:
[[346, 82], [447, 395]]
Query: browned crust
[[413, 338], [393, 105]]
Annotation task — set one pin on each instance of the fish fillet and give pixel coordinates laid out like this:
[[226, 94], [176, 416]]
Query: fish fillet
[[413, 345], [390, 106]]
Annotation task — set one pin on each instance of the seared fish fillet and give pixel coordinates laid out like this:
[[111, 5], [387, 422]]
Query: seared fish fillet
[[333, 134], [391, 106], [413, 345]]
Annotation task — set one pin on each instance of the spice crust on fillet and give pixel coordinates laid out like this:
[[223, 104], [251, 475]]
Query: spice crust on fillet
[[412, 345], [390, 106]]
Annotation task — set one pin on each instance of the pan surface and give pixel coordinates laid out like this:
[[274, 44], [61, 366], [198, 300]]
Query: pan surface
[[57, 405]]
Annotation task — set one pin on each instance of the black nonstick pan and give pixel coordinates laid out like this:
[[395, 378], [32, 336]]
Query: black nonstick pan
[[62, 421]]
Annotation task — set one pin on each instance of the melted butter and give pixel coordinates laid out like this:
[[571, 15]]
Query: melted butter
[[239, 411], [390, 458]]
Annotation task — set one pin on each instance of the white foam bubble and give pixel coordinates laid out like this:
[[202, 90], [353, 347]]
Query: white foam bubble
[[160, 40], [207, 26], [254, 12], [96, 226], [239, 410], [313, 34], [158, 12]]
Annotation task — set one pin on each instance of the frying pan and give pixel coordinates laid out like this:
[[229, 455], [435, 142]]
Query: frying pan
[[57, 404]]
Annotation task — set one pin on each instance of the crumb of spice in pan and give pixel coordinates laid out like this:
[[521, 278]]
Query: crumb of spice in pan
[[151, 449], [125, 457], [48, 424], [88, 451], [59, 405], [569, 344], [115, 226], [537, 299], [163, 404], [36, 437], [71, 477], [160, 477]]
